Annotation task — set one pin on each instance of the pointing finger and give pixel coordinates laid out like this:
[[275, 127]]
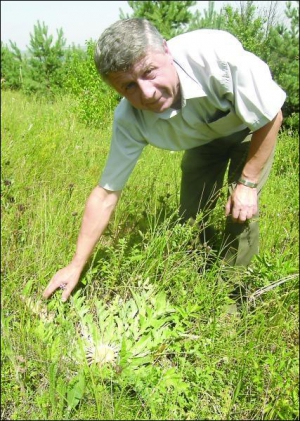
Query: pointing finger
[[49, 290], [52, 286]]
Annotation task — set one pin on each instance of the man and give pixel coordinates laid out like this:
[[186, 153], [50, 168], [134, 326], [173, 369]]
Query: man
[[200, 92]]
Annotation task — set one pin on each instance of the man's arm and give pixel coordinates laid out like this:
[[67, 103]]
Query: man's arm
[[99, 208], [242, 204]]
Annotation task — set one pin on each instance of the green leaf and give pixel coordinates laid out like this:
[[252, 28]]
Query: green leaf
[[75, 394]]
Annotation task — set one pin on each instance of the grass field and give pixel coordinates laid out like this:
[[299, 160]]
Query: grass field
[[145, 336]]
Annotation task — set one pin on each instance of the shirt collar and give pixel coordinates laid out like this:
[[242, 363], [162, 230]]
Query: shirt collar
[[190, 88]]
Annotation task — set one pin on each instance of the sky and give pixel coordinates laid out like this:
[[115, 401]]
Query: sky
[[79, 20]]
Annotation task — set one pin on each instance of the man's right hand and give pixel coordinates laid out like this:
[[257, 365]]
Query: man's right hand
[[65, 279], [98, 210]]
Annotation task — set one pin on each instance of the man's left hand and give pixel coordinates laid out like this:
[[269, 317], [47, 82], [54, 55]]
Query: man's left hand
[[242, 204]]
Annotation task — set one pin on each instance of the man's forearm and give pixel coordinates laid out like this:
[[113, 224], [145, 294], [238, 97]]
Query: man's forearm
[[99, 208], [262, 145]]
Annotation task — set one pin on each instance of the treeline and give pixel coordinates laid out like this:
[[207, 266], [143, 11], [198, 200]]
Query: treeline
[[50, 68]]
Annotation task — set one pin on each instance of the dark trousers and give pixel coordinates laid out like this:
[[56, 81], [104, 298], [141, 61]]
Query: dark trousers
[[203, 171]]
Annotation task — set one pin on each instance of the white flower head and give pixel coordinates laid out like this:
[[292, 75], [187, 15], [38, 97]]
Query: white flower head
[[101, 353]]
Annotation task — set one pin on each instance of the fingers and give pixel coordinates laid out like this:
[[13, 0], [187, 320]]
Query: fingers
[[241, 215], [66, 294], [55, 284], [66, 280], [242, 204], [51, 287]]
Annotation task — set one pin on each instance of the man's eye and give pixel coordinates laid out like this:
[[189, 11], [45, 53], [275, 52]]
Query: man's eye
[[148, 72], [130, 86]]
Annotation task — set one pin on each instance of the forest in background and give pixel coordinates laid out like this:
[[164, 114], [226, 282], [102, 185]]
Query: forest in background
[[50, 67]]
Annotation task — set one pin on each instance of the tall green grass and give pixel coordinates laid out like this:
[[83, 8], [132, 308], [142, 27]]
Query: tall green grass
[[146, 292]]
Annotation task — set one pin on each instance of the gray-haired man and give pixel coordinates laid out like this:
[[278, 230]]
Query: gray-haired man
[[200, 92]]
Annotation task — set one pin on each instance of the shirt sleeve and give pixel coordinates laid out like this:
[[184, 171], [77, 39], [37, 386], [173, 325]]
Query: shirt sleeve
[[255, 96], [126, 147], [229, 73]]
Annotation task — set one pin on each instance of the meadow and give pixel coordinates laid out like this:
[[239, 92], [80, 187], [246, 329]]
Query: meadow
[[145, 335]]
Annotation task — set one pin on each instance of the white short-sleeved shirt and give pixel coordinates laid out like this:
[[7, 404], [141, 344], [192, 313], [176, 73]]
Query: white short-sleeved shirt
[[224, 88]]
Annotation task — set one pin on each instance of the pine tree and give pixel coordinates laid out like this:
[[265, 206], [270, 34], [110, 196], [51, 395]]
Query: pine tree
[[13, 67], [210, 20], [46, 60], [170, 17], [283, 58]]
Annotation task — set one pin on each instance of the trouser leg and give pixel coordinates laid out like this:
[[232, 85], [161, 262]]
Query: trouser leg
[[241, 241], [203, 171]]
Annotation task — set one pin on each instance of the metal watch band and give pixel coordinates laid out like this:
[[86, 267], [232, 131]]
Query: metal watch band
[[247, 183]]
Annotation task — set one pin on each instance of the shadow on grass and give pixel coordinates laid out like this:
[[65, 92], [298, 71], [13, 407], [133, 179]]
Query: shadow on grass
[[132, 228]]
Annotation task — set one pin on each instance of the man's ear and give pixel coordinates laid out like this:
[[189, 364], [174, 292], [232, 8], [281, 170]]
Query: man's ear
[[166, 48]]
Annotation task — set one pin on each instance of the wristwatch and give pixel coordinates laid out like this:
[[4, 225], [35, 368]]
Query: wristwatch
[[247, 183]]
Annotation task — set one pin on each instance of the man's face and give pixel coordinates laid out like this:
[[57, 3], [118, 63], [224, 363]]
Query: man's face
[[151, 84]]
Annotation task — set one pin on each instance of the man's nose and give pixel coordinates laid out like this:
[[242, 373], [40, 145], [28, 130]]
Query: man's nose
[[147, 90]]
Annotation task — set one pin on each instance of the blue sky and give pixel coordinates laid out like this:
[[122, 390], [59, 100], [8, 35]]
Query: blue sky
[[80, 20]]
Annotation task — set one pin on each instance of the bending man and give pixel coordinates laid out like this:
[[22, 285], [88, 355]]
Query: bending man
[[200, 92]]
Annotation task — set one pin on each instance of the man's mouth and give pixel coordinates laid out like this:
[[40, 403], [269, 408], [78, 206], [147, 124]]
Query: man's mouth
[[153, 103]]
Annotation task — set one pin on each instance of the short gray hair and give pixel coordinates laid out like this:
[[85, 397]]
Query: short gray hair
[[124, 43]]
